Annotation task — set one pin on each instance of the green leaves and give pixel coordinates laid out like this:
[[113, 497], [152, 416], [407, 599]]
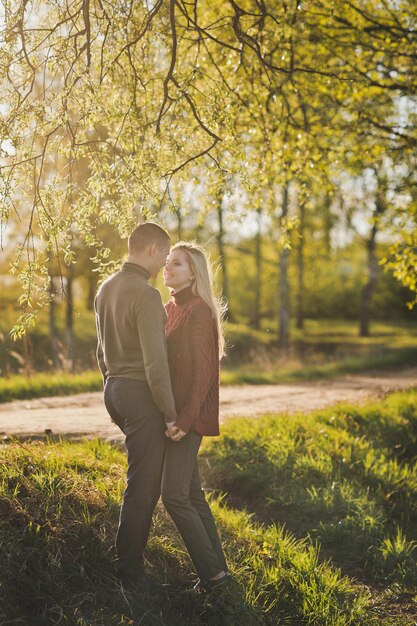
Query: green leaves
[[106, 108]]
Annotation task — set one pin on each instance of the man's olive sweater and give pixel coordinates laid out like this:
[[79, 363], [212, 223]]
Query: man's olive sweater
[[130, 321]]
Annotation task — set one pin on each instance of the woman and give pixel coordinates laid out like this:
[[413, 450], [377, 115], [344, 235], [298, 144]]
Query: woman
[[195, 345]]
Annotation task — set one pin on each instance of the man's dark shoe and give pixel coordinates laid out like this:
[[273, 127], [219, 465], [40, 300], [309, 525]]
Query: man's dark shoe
[[134, 580], [211, 585], [140, 582]]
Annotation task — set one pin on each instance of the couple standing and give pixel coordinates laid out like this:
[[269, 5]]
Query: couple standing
[[161, 373]]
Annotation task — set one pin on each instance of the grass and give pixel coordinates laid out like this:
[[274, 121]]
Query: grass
[[323, 349], [336, 336], [285, 372], [48, 384], [41, 385], [327, 350], [345, 477], [58, 516], [318, 519]]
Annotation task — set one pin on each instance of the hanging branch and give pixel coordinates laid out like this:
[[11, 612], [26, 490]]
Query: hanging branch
[[87, 45], [170, 74]]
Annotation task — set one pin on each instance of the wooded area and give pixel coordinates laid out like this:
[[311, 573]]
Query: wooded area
[[283, 134]]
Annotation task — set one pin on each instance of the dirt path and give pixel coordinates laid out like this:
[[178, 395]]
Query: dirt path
[[84, 414]]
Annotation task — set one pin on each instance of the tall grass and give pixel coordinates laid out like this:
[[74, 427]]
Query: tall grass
[[346, 477], [317, 513], [58, 516]]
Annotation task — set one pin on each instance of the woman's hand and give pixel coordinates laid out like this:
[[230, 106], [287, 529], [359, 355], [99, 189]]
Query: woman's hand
[[174, 433]]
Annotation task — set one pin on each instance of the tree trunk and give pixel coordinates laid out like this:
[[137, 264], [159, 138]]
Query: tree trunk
[[91, 290], [53, 331], [179, 224], [300, 271], [69, 318], [367, 291], [284, 288], [372, 263], [256, 319], [27, 355], [327, 222], [222, 255]]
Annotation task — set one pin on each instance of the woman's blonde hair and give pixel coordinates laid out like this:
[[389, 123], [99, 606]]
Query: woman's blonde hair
[[202, 285]]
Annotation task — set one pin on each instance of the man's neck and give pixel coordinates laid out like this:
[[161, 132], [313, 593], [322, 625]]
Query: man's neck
[[139, 260]]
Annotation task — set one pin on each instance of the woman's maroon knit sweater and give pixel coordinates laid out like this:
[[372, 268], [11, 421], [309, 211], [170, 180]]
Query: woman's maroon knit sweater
[[193, 352]]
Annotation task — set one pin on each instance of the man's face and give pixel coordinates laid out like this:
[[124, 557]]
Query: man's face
[[159, 258]]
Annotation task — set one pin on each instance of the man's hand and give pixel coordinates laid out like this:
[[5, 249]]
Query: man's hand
[[174, 433], [169, 425]]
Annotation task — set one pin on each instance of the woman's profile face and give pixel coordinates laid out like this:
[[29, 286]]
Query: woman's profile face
[[177, 271]]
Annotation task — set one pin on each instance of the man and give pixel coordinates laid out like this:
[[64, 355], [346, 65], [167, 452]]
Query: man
[[132, 357]]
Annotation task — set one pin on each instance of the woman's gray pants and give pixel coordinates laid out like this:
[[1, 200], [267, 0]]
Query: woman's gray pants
[[185, 501]]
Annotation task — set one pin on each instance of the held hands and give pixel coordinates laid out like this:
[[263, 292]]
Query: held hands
[[173, 432]]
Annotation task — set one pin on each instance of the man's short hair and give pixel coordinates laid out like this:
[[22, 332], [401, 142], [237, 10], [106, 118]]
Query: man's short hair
[[145, 235]]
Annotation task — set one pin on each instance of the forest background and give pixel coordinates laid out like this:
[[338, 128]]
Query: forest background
[[281, 135]]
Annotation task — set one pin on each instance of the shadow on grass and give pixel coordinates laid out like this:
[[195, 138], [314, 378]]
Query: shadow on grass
[[58, 519], [345, 477]]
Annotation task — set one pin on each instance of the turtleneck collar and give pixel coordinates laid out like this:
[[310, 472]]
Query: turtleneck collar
[[136, 269], [184, 296]]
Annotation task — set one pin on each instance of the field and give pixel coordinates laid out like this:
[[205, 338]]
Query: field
[[317, 513], [323, 349]]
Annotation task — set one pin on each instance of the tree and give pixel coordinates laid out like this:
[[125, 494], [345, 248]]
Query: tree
[[173, 84], [284, 290], [257, 314], [369, 287], [300, 268]]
